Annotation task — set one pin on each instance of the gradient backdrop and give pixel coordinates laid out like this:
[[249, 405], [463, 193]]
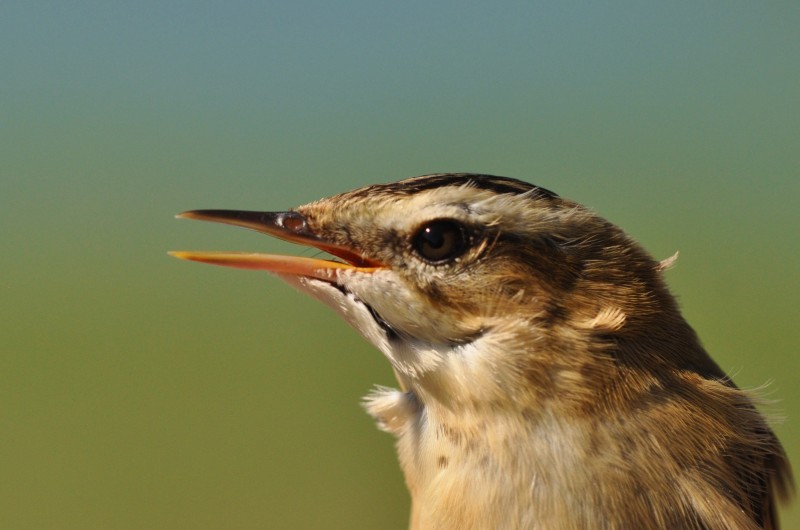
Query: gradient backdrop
[[138, 391]]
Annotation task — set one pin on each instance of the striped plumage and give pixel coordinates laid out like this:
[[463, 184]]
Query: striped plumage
[[547, 378]]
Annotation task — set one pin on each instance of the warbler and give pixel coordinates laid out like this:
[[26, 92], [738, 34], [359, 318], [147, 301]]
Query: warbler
[[547, 379]]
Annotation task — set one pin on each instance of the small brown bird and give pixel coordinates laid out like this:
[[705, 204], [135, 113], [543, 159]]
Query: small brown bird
[[547, 378]]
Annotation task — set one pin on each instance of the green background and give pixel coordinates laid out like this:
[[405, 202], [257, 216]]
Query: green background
[[138, 391]]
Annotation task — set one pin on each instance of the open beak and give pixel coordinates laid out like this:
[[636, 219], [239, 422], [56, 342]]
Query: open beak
[[289, 226]]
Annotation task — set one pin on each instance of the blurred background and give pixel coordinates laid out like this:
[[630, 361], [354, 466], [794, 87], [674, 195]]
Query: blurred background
[[138, 391]]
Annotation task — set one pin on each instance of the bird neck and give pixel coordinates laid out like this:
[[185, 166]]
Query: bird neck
[[515, 433]]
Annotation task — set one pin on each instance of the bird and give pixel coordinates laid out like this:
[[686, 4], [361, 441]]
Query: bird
[[546, 377]]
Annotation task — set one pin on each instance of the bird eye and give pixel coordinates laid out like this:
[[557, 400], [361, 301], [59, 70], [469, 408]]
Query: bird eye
[[440, 241]]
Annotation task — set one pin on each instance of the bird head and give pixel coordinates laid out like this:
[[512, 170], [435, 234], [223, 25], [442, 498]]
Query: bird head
[[461, 279]]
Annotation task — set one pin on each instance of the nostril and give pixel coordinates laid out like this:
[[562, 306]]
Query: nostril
[[293, 221]]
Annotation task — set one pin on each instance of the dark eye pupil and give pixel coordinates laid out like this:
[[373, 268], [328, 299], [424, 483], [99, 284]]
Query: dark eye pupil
[[433, 238], [440, 241]]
